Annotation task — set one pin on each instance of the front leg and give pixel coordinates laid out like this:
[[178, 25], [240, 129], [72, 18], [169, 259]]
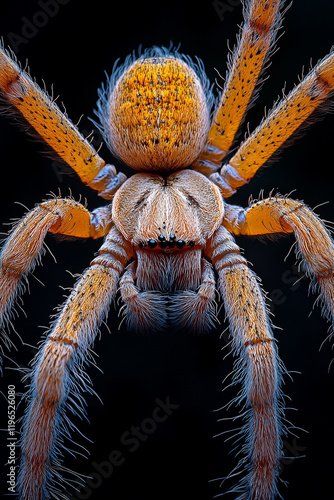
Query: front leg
[[257, 368], [59, 370]]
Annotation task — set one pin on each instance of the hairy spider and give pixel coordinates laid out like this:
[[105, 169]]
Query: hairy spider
[[168, 231]]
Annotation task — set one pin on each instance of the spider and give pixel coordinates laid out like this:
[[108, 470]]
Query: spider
[[168, 231]]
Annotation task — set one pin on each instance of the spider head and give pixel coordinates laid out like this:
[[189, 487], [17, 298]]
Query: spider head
[[155, 114]]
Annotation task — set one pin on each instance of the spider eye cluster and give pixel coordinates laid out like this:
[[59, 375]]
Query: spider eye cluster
[[156, 116], [163, 243]]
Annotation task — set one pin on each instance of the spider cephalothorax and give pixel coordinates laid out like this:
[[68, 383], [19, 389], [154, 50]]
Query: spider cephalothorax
[[165, 209], [168, 232]]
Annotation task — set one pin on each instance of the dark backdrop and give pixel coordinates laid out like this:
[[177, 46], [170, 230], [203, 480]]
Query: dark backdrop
[[71, 46]]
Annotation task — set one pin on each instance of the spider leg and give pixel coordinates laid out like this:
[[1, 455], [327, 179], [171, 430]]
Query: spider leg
[[196, 310], [42, 113], [144, 311], [23, 248], [257, 37], [284, 119], [283, 215], [257, 367], [59, 371]]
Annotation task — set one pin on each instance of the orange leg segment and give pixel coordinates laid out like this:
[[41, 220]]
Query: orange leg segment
[[283, 120], [257, 368], [60, 364], [55, 128], [262, 20], [23, 248], [283, 215]]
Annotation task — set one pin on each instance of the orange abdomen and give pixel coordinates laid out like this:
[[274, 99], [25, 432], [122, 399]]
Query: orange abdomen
[[156, 116]]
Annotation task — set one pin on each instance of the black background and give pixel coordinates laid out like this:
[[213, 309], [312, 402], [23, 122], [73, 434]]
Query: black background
[[72, 50]]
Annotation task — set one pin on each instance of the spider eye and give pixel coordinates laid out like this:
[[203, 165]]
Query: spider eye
[[156, 117], [152, 243]]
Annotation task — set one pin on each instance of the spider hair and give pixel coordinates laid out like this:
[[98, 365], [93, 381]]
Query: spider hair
[[119, 69]]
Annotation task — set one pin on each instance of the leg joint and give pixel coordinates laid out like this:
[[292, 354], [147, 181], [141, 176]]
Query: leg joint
[[64, 341], [257, 341]]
